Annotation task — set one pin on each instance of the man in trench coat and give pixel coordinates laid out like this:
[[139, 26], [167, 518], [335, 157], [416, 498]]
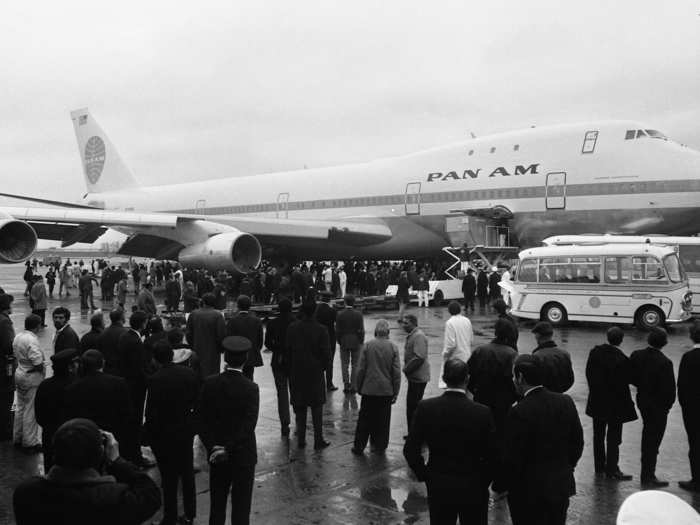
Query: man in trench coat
[[307, 352]]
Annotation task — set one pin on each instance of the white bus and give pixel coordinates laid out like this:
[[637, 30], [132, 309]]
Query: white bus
[[613, 283], [688, 252]]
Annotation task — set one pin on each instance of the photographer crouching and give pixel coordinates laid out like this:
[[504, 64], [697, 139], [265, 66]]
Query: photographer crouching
[[89, 483]]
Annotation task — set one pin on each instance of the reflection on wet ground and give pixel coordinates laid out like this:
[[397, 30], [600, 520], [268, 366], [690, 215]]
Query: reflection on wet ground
[[333, 486]]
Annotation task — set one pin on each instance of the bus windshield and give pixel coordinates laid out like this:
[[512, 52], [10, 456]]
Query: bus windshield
[[674, 269]]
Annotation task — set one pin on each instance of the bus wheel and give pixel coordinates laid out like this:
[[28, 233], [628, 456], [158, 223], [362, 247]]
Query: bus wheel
[[438, 298], [553, 313], [649, 317]]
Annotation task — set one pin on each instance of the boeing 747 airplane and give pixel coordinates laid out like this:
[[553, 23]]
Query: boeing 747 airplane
[[611, 176]]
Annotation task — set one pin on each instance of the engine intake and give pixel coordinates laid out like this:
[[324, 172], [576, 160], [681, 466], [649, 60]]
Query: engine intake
[[18, 241], [233, 251]]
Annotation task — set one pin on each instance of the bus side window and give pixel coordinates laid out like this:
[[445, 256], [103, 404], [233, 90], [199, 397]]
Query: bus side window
[[527, 271], [587, 269], [647, 269], [617, 269]]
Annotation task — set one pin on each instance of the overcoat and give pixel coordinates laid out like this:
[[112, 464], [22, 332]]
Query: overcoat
[[206, 329], [307, 355], [608, 374], [246, 324]]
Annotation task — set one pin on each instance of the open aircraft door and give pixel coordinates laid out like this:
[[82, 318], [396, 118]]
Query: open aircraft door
[[555, 192], [283, 206], [412, 200]]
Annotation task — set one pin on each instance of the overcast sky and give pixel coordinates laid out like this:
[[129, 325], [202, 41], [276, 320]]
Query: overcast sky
[[203, 90]]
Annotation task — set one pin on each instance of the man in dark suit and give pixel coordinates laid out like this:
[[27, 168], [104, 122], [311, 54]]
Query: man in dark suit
[[172, 397], [50, 401], [555, 362], [502, 312], [276, 341], [482, 288], [245, 324], [543, 443], [133, 370], [459, 435], [206, 329], [89, 340], [350, 333], [689, 398], [85, 288], [491, 382], [652, 374], [469, 290], [65, 335], [156, 332], [609, 402], [326, 315], [228, 413], [307, 356], [108, 342], [7, 367], [100, 397], [494, 279]]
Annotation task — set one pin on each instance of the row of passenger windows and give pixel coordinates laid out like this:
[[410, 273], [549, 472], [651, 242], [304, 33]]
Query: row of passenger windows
[[587, 270], [516, 147]]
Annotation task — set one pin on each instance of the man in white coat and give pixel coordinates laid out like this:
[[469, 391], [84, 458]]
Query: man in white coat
[[458, 336], [505, 278], [343, 279]]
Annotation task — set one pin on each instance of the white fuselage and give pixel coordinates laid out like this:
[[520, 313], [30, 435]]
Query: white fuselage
[[541, 175]]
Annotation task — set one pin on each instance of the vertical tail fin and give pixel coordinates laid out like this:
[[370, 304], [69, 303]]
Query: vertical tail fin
[[104, 169]]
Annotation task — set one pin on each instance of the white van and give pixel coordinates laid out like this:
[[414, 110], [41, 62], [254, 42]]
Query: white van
[[641, 283]]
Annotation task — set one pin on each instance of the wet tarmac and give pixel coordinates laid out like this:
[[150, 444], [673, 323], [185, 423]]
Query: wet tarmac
[[333, 486]]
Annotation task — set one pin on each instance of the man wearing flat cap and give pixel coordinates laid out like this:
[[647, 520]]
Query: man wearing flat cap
[[228, 413], [557, 372], [7, 367], [50, 402]]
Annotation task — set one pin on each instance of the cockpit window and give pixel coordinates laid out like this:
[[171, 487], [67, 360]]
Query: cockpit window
[[639, 133], [656, 134]]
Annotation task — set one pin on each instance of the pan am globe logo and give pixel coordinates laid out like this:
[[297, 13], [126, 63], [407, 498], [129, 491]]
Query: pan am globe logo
[[94, 158]]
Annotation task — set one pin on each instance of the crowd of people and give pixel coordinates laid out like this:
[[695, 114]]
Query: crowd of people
[[266, 285], [504, 421]]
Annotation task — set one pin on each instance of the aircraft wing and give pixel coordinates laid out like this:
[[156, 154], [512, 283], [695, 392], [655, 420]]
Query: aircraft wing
[[72, 225], [360, 232]]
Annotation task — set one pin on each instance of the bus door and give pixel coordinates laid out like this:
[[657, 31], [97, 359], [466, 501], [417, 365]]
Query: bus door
[[412, 198], [283, 205], [555, 192]]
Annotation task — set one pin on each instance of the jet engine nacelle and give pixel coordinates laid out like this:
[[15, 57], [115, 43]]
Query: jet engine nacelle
[[233, 251], [17, 240]]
